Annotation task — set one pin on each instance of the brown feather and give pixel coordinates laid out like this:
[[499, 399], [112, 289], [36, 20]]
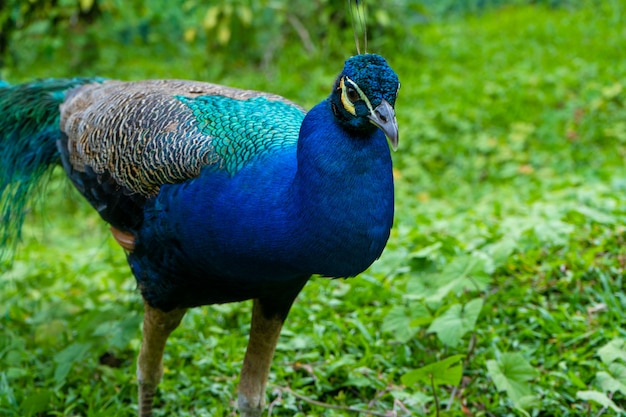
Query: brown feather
[[139, 132]]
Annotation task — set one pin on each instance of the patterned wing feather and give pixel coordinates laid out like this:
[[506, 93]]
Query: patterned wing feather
[[148, 133]]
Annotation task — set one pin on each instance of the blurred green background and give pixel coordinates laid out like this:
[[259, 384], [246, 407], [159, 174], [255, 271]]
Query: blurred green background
[[508, 247]]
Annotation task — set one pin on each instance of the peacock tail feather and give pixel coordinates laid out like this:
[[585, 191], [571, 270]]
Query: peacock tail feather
[[29, 129]]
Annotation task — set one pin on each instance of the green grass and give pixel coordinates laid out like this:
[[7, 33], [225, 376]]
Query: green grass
[[511, 190]]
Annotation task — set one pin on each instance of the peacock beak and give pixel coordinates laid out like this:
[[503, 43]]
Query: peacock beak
[[384, 116]]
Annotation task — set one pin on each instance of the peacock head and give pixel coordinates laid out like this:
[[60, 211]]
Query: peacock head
[[364, 96]]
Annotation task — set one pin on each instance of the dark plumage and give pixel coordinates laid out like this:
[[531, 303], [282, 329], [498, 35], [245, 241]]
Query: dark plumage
[[216, 194]]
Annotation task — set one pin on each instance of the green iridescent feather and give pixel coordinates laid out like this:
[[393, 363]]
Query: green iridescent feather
[[244, 129], [29, 128]]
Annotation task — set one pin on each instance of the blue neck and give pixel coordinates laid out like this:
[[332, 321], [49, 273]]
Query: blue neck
[[344, 189]]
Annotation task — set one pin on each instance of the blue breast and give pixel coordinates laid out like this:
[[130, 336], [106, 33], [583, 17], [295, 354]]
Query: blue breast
[[321, 206]]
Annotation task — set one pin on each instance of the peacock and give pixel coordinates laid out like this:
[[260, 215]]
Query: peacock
[[215, 194]]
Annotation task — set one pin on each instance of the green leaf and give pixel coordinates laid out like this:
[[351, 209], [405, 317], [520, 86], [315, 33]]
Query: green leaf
[[245, 15], [85, 5], [67, 358], [618, 371], [501, 251], [614, 380], [600, 398], [608, 383], [404, 322], [511, 373], [51, 332], [612, 91], [36, 403], [612, 351], [14, 373], [444, 372], [210, 19], [596, 215], [120, 333], [397, 322], [526, 403], [452, 325], [223, 31], [463, 267], [464, 273], [553, 231], [427, 251]]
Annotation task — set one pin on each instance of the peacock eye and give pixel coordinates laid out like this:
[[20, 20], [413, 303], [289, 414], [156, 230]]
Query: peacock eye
[[353, 95]]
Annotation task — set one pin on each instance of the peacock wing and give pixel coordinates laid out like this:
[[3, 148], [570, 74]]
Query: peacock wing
[[144, 134]]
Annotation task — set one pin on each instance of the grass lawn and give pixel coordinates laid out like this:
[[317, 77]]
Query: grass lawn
[[501, 291]]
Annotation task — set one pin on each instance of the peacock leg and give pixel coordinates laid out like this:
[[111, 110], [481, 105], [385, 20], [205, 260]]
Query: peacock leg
[[157, 326], [264, 333]]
